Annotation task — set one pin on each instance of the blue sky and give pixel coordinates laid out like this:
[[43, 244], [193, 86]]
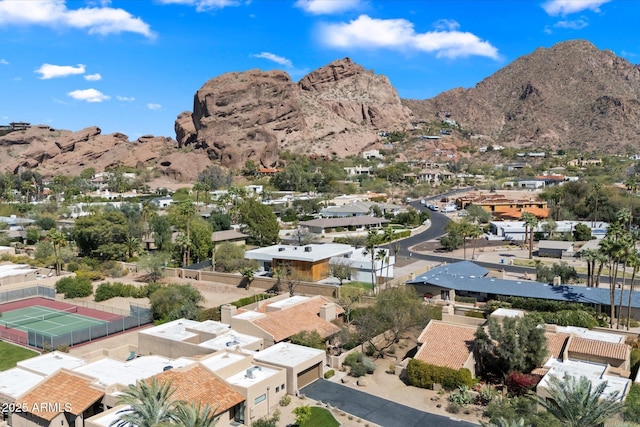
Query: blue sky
[[133, 66]]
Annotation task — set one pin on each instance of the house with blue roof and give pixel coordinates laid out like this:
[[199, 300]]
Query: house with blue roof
[[466, 278]]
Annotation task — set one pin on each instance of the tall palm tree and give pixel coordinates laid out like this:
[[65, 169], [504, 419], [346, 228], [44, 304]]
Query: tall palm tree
[[381, 255], [475, 232], [58, 240], [371, 243], [530, 223], [589, 255], [196, 415], [150, 404], [184, 243], [627, 248], [634, 262], [576, 403]]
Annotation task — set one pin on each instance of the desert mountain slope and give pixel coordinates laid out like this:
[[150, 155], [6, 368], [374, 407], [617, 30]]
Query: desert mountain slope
[[571, 94]]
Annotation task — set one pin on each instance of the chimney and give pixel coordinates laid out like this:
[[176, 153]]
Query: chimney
[[557, 280], [227, 311], [328, 311]]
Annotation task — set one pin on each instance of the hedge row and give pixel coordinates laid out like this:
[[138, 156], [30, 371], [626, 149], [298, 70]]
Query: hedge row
[[397, 235], [535, 304], [250, 300], [109, 290], [424, 375]]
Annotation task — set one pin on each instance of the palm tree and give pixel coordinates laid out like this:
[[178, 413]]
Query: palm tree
[[576, 403], [58, 240], [372, 242], [184, 243], [634, 262], [150, 404], [589, 255], [133, 245], [475, 232], [195, 415], [596, 190], [381, 255], [530, 223]]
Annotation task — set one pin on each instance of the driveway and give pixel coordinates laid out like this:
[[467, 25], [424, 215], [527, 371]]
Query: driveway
[[372, 408]]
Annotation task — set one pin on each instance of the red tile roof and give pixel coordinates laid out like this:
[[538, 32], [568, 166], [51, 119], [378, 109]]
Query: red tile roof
[[62, 390], [555, 344], [446, 344], [304, 316], [617, 351], [197, 384]]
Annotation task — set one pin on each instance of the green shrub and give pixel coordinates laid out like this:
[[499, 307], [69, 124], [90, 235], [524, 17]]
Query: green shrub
[[453, 408], [632, 404], [90, 275], [250, 300], [358, 371], [109, 290], [329, 374], [475, 313], [74, 287], [461, 396], [424, 375]]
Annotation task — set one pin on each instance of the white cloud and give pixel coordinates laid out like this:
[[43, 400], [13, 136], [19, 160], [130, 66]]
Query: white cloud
[[567, 7], [152, 106], [50, 71], [328, 7], [93, 77], [125, 98], [446, 24], [54, 13], [4, 61], [203, 5], [274, 58], [88, 95], [399, 34], [577, 24]]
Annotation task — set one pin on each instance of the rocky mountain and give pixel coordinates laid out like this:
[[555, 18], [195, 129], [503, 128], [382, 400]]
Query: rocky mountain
[[52, 152], [569, 95], [335, 110]]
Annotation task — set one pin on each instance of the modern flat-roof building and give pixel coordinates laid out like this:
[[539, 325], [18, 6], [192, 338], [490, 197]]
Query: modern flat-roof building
[[302, 364]]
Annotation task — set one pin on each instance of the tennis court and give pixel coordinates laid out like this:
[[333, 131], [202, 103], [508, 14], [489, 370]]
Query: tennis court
[[47, 321]]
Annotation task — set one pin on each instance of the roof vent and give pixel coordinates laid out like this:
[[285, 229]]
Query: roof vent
[[166, 368], [281, 249], [308, 248]]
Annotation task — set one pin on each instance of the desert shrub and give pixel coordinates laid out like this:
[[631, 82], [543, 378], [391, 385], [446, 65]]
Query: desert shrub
[[461, 396], [311, 339], [486, 395], [424, 375], [360, 364], [453, 408], [285, 400], [90, 275], [329, 374], [74, 287], [212, 313], [73, 266], [520, 384]]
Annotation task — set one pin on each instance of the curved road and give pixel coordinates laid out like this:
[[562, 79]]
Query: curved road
[[436, 230]]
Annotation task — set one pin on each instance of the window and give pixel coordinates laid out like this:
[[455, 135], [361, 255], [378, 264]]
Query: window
[[277, 389], [282, 386], [259, 399]]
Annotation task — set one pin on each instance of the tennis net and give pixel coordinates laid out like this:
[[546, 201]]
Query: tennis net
[[25, 320]]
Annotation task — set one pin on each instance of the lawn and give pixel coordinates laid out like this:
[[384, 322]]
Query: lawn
[[320, 417], [11, 354]]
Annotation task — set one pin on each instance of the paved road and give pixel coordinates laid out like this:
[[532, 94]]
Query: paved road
[[375, 409]]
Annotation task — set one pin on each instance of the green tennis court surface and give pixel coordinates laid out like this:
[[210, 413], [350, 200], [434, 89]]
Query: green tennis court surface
[[47, 320]]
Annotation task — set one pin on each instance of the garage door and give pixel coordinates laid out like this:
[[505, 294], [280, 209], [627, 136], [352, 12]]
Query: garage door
[[308, 375]]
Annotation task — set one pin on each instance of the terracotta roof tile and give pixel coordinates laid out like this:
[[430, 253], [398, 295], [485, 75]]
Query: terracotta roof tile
[[69, 392], [198, 384], [555, 344], [598, 348], [282, 324], [445, 344]]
